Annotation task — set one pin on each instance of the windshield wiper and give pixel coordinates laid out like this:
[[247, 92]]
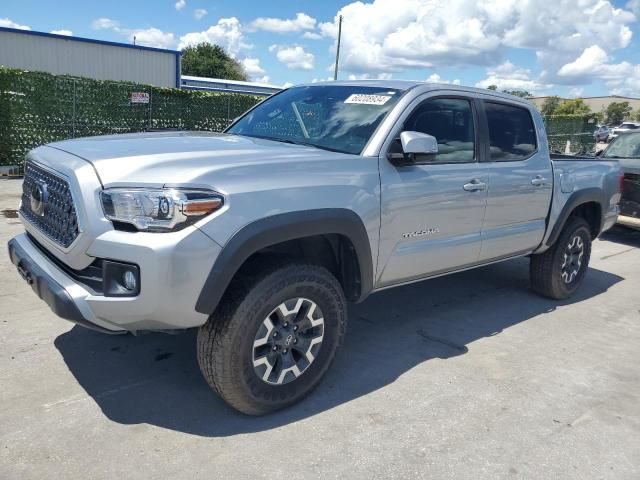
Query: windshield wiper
[[309, 144], [292, 142]]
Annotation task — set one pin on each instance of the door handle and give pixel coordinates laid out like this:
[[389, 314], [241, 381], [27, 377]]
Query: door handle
[[474, 185], [538, 181]]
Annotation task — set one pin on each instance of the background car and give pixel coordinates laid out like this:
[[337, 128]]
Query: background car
[[625, 127], [601, 133], [626, 148]]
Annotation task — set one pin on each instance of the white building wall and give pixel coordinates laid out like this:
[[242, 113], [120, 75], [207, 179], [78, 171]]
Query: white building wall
[[69, 56]]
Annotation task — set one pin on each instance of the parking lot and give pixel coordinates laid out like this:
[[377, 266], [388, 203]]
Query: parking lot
[[467, 376]]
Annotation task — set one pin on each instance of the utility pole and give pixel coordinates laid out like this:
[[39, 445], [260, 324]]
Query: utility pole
[[335, 72]]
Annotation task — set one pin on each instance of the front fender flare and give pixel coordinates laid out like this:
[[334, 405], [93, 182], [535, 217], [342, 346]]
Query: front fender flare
[[281, 228]]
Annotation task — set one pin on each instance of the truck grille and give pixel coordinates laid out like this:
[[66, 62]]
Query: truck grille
[[47, 204]]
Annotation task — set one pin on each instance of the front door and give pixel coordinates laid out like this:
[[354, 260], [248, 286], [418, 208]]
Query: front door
[[432, 209]]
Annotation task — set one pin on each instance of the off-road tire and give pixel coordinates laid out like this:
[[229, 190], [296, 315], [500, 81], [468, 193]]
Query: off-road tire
[[225, 344], [546, 269]]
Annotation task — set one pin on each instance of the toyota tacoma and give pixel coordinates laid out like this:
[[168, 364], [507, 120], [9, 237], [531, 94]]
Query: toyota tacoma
[[319, 196]]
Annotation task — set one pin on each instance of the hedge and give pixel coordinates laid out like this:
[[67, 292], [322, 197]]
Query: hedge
[[577, 129], [37, 108]]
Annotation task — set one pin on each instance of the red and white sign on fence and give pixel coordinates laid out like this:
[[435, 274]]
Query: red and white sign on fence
[[139, 97]]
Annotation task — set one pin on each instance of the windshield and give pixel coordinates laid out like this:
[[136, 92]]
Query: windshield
[[625, 146], [332, 117]]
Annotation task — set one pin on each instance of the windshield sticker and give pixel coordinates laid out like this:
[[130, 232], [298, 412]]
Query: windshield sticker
[[363, 99]]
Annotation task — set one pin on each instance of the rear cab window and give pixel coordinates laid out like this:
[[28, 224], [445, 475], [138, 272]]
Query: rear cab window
[[512, 134]]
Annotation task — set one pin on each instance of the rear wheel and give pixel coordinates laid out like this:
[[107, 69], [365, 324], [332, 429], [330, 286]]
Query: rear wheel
[[273, 338], [558, 272]]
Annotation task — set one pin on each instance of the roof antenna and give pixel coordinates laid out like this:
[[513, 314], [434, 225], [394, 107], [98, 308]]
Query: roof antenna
[[134, 39]]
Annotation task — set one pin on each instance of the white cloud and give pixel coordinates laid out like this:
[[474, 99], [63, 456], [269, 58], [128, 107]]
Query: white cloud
[[287, 85], [634, 6], [301, 22], [312, 35], [395, 35], [8, 23], [316, 80], [366, 76], [593, 63], [294, 57], [435, 78], [228, 33], [576, 92], [252, 67], [151, 37], [586, 64], [264, 79], [509, 77], [199, 13], [105, 24], [180, 4], [68, 33]]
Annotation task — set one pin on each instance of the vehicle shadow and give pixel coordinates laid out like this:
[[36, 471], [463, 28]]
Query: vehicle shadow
[[155, 378], [624, 235]]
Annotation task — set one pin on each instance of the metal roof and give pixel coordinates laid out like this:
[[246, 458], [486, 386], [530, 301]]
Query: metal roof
[[87, 40]]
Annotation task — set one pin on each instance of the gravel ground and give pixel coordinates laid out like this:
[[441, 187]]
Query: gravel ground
[[468, 376]]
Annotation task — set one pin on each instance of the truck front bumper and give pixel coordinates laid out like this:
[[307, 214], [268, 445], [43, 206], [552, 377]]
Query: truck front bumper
[[48, 289], [171, 278]]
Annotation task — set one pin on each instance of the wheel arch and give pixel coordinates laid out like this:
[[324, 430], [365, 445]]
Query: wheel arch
[[588, 204], [343, 229]]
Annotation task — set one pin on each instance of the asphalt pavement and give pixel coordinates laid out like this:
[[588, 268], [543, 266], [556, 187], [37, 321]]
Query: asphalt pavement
[[470, 376]]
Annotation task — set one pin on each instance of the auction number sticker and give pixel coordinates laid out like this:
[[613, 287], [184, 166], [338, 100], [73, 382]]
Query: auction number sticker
[[364, 99]]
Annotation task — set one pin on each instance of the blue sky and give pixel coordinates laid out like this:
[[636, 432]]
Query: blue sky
[[565, 47]]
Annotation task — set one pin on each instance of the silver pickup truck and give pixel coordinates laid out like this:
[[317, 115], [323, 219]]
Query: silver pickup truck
[[318, 196]]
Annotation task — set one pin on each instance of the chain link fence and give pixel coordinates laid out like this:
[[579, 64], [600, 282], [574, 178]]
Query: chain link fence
[[38, 108], [575, 129]]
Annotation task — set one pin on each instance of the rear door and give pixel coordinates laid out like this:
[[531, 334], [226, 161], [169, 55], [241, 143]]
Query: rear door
[[520, 182]]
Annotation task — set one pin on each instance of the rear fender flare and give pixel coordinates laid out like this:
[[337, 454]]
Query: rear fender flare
[[574, 201]]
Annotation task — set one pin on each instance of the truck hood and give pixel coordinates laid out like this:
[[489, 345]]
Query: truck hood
[[171, 158]]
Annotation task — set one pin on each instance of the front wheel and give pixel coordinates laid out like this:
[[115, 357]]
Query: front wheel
[[558, 272], [274, 338]]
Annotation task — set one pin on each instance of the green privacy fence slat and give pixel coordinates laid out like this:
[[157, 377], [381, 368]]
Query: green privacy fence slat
[[38, 108], [577, 129]]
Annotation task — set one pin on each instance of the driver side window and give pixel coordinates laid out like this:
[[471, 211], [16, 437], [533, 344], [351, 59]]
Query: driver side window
[[450, 121]]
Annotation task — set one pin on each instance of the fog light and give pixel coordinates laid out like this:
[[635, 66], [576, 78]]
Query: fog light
[[120, 279], [129, 280]]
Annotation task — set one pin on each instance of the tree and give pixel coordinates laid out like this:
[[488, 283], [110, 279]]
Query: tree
[[617, 112], [550, 105], [519, 93], [635, 115], [575, 106], [206, 60], [492, 87]]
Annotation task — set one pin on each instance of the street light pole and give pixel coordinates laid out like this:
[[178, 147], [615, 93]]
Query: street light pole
[[335, 72]]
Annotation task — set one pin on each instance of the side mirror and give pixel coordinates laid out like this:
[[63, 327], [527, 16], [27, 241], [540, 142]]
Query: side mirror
[[418, 143], [599, 152]]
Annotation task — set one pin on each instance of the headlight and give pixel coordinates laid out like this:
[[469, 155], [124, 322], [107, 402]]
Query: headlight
[[159, 210]]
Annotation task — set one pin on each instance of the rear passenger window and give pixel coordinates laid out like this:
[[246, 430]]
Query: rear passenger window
[[512, 136]]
